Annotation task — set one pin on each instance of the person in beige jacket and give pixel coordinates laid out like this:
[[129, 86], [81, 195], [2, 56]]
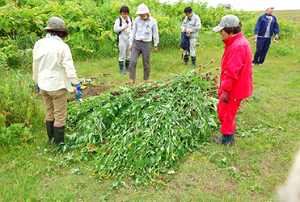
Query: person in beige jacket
[[53, 71]]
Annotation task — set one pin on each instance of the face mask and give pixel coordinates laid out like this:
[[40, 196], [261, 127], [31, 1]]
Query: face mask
[[146, 17]]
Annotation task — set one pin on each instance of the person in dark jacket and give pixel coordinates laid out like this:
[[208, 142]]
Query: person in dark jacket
[[265, 26], [236, 81]]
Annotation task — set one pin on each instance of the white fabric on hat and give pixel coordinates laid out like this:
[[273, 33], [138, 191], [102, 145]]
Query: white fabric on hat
[[142, 9]]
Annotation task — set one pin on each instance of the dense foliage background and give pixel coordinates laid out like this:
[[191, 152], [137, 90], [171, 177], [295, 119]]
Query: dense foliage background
[[91, 25]]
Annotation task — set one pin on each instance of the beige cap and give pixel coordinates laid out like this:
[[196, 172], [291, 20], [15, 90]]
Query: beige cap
[[227, 21], [56, 24]]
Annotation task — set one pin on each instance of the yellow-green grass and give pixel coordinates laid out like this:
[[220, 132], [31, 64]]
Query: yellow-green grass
[[288, 15]]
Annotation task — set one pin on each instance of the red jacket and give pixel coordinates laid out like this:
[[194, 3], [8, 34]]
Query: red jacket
[[236, 68]]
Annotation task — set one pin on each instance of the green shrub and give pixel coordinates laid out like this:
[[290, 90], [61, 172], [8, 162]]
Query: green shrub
[[14, 134], [283, 50], [18, 101], [287, 28], [20, 110]]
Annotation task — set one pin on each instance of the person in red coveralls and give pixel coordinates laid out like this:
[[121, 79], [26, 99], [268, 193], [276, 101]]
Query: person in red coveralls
[[236, 81]]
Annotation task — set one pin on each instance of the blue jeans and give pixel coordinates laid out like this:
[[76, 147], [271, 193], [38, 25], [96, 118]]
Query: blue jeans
[[262, 47]]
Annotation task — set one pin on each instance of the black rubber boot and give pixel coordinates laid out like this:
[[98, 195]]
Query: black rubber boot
[[59, 135], [127, 64], [224, 139], [193, 61], [227, 139], [50, 131], [121, 65], [186, 59]]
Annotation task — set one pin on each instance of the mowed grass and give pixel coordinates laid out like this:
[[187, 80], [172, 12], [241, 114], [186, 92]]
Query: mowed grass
[[163, 62], [288, 15], [252, 169]]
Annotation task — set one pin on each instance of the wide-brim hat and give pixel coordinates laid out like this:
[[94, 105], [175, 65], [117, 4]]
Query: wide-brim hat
[[227, 21], [56, 24], [142, 9]]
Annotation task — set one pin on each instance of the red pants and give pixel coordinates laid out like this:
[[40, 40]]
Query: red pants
[[226, 114]]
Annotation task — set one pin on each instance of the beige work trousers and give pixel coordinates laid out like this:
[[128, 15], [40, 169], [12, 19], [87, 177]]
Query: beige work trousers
[[55, 103]]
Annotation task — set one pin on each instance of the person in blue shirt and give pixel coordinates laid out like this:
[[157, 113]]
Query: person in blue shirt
[[265, 26]]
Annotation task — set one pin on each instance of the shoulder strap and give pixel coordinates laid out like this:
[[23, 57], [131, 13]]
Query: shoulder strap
[[130, 19], [120, 21], [185, 19]]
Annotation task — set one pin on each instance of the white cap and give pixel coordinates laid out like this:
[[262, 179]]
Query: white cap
[[142, 9]]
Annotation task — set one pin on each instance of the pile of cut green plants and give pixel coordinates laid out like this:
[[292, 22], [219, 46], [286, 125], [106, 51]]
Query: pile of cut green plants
[[143, 132]]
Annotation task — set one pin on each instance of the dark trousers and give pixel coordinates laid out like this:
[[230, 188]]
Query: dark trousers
[[144, 48], [262, 47]]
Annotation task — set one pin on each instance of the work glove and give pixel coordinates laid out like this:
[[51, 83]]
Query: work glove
[[78, 93], [224, 96], [38, 88]]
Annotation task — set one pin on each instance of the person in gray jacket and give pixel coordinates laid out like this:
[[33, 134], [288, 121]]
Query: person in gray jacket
[[123, 27], [190, 25], [144, 28]]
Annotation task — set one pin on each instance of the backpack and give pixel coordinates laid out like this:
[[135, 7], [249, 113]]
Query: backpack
[[120, 19], [185, 41]]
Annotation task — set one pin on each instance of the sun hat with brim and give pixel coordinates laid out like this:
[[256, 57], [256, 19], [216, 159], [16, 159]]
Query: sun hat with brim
[[56, 24], [142, 9], [227, 21]]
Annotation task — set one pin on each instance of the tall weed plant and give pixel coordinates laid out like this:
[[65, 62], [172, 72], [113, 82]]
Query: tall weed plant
[[20, 110]]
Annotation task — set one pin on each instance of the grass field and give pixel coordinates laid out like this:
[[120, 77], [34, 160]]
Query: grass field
[[250, 170], [290, 15]]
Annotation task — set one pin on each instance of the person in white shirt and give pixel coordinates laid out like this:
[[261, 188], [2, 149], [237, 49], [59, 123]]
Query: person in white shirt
[[123, 27], [190, 25], [53, 71], [144, 28]]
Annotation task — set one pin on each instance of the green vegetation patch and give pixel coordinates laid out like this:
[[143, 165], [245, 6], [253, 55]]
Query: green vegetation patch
[[143, 132]]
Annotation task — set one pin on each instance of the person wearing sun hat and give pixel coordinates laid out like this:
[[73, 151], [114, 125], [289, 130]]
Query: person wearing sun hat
[[236, 81], [265, 27], [144, 28], [53, 71]]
